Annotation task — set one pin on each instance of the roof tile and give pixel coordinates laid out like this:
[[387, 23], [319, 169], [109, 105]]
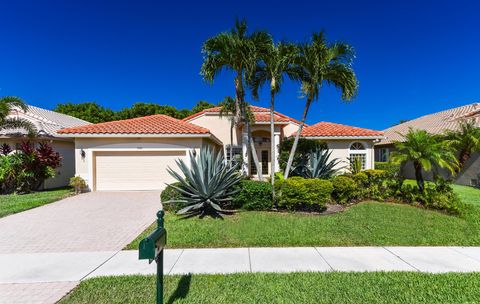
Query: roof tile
[[329, 129], [154, 124]]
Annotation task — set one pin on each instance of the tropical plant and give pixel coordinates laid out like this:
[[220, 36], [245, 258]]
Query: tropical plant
[[8, 104], [5, 149], [322, 63], [426, 152], [465, 140], [355, 164], [206, 184], [276, 61], [78, 184], [318, 165], [238, 52]]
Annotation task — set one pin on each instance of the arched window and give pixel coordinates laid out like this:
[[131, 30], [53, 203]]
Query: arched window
[[358, 151], [357, 146]]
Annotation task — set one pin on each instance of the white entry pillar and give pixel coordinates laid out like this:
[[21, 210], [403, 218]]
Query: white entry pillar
[[276, 137], [245, 153]]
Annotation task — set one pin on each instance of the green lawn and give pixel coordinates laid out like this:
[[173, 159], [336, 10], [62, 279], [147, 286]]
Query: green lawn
[[393, 287], [368, 223], [14, 203]]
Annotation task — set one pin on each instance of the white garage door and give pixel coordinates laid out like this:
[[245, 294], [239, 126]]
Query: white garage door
[[134, 170]]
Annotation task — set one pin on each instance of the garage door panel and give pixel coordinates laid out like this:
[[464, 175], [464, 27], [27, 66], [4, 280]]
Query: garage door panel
[[134, 170]]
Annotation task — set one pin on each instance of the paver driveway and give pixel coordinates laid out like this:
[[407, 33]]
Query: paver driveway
[[96, 221]]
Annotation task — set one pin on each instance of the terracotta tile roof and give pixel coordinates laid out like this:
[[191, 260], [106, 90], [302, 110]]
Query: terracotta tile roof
[[154, 124], [259, 112], [436, 123], [329, 129]]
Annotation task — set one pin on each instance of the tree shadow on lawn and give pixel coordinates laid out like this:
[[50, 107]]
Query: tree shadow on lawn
[[182, 290]]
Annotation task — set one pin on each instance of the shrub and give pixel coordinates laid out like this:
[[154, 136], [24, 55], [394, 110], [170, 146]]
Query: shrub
[[317, 164], [28, 168], [78, 183], [375, 187], [304, 148], [305, 194], [254, 195], [345, 189], [171, 194]]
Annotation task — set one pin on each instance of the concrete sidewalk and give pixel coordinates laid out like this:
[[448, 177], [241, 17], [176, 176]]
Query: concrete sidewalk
[[31, 273]]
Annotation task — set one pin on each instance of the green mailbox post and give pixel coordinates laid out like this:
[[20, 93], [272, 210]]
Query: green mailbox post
[[151, 248]]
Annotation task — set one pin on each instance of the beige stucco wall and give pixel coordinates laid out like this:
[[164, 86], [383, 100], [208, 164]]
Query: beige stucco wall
[[65, 171], [290, 129], [84, 166], [219, 127], [340, 150]]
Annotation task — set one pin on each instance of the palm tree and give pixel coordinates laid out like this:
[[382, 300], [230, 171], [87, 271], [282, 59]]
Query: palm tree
[[228, 109], [321, 63], [9, 104], [426, 152], [239, 52], [465, 140], [276, 61]]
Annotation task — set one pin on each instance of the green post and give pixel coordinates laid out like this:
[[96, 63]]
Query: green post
[[151, 249], [160, 223]]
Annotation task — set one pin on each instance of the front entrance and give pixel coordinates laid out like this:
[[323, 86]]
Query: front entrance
[[264, 159]]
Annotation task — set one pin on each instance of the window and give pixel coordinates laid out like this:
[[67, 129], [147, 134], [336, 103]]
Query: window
[[265, 161], [358, 151], [236, 153]]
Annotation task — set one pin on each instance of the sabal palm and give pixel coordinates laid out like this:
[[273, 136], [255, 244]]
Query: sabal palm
[[239, 52], [322, 63], [277, 61], [426, 152], [9, 104], [465, 140]]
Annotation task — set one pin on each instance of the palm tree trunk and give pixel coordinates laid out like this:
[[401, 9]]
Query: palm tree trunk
[[463, 157], [297, 137], [231, 143], [253, 151], [419, 176], [272, 143], [239, 96]]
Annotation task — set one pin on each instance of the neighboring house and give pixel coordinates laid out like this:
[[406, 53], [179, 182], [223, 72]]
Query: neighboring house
[[134, 154], [436, 123], [47, 124]]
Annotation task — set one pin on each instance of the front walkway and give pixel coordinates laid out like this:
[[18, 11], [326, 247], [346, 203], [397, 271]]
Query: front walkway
[[52, 268]]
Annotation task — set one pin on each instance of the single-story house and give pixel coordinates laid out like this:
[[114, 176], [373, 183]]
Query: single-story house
[[436, 123], [47, 124], [134, 154]]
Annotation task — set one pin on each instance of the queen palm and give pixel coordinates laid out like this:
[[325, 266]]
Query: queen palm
[[9, 104], [426, 152], [465, 140], [239, 52], [322, 63], [277, 61]]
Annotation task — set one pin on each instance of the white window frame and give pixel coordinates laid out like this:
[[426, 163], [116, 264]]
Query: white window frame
[[364, 152]]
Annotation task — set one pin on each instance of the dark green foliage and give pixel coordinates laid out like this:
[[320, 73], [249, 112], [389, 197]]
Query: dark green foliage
[[304, 148], [12, 103], [317, 164], [305, 194], [345, 189], [171, 194], [254, 195], [94, 113], [206, 185]]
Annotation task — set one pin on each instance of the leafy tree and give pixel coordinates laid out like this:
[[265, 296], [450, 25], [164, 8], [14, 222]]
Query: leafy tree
[[322, 63], [426, 152], [88, 111], [239, 52], [465, 140], [9, 104], [276, 61], [201, 105]]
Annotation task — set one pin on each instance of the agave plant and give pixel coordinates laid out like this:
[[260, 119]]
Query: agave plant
[[206, 185], [318, 165]]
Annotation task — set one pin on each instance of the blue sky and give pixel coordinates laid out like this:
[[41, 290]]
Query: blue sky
[[413, 57]]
